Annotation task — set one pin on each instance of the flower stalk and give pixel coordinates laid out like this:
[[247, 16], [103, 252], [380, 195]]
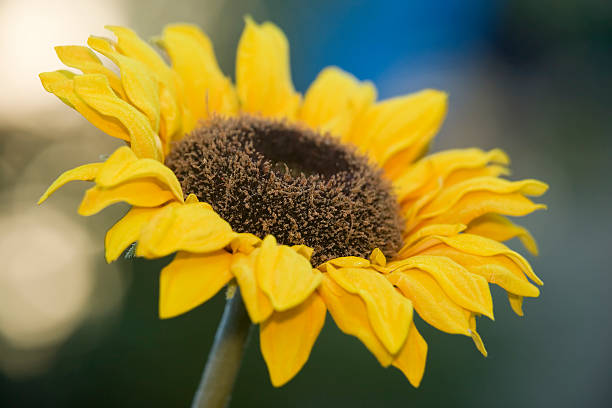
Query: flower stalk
[[219, 376]]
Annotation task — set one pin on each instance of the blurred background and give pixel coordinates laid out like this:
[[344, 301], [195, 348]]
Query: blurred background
[[531, 77]]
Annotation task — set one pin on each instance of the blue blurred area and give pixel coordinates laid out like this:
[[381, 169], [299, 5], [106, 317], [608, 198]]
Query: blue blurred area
[[366, 38]]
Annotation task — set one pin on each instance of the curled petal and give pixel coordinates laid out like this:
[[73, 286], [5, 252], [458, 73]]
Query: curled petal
[[141, 193], [95, 90], [425, 174], [139, 82], [431, 230], [450, 196], [475, 204], [257, 303], [130, 45], [462, 175], [389, 312], [123, 166], [84, 59], [351, 316], [61, 84], [189, 227], [191, 279], [500, 228], [127, 230], [284, 275], [86, 172], [477, 245], [497, 269], [334, 99], [476, 337], [467, 290], [263, 77], [287, 338], [411, 359], [430, 301], [516, 303]]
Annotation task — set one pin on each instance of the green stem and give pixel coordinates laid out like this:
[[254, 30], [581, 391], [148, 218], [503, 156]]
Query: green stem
[[223, 363]]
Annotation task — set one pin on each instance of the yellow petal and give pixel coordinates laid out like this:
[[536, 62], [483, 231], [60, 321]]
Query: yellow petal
[[467, 290], [402, 124], [263, 77], [500, 228], [190, 280], [473, 205], [429, 230], [257, 303], [378, 258], [285, 276], [96, 92], [244, 242], [411, 207], [425, 174], [516, 303], [86, 172], [389, 312], [497, 269], [351, 316], [141, 193], [129, 44], [126, 231], [303, 250], [191, 199], [117, 170], [461, 175], [411, 359], [286, 338], [350, 262], [334, 99], [476, 337], [61, 84], [139, 82], [207, 90], [84, 59], [430, 301], [450, 196], [189, 227], [118, 160], [477, 245]]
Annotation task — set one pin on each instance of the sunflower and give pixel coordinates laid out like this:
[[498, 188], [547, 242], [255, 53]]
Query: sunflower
[[325, 202]]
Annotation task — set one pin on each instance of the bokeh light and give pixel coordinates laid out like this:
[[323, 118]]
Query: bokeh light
[[44, 284], [28, 32]]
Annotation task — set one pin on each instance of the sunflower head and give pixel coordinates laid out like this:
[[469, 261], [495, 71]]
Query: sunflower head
[[313, 204], [272, 177]]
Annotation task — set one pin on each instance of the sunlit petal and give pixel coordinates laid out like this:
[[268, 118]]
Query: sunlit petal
[[390, 313], [263, 77], [191, 279]]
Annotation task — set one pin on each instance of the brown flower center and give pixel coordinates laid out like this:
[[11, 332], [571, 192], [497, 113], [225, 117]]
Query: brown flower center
[[272, 177]]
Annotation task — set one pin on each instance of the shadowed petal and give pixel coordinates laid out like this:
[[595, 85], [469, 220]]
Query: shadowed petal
[[286, 338]]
